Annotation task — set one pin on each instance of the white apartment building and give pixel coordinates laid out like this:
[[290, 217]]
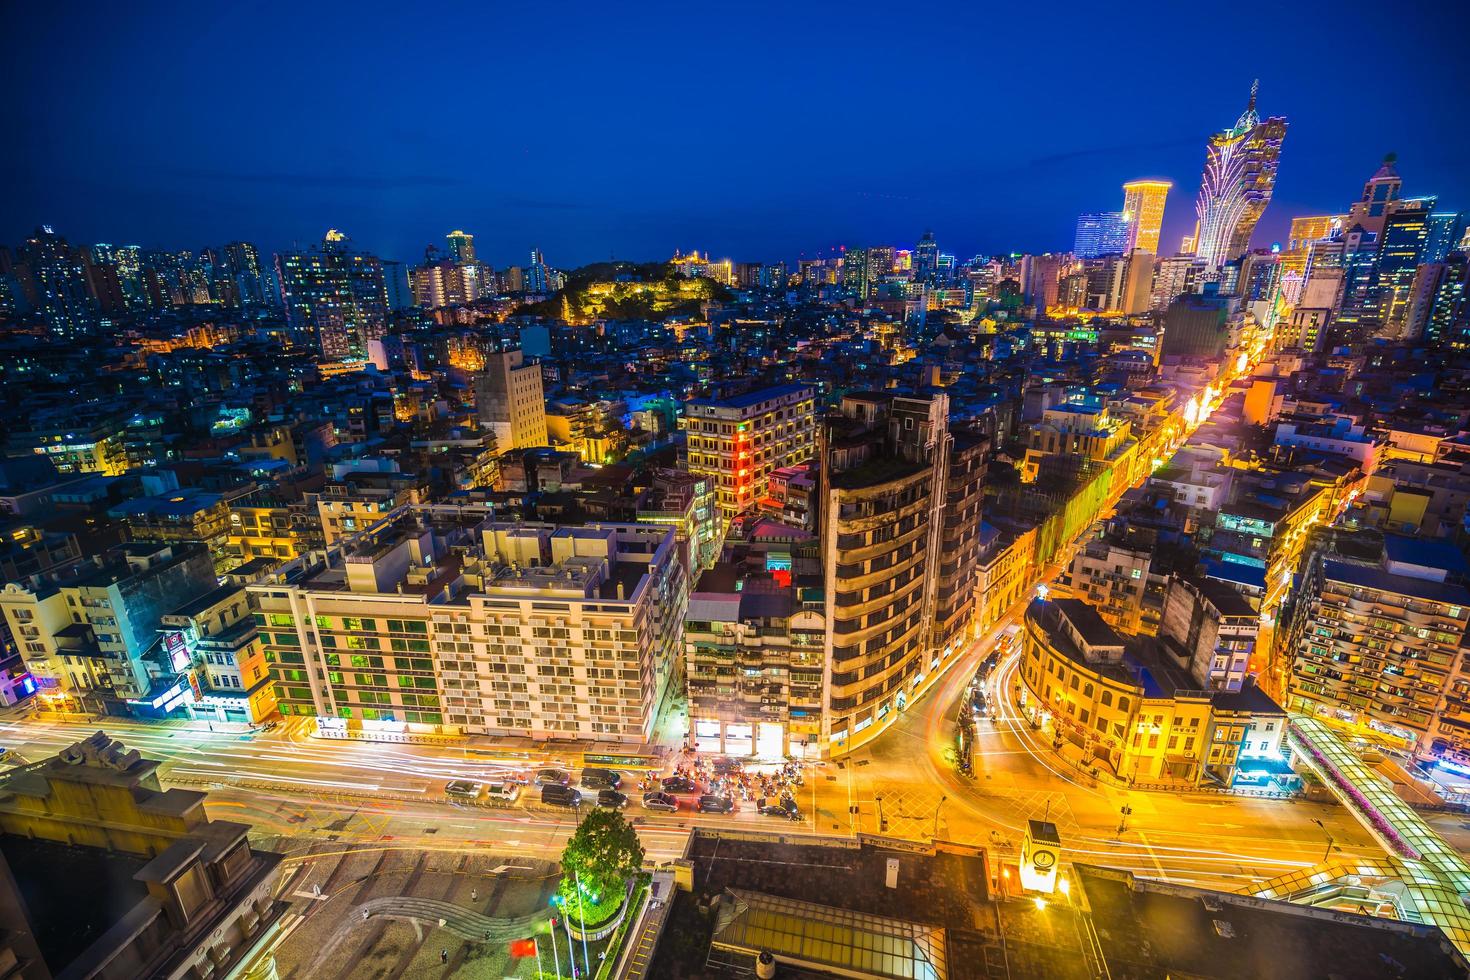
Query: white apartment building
[[528, 630]]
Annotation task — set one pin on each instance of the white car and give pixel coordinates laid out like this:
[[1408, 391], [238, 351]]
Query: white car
[[503, 792]]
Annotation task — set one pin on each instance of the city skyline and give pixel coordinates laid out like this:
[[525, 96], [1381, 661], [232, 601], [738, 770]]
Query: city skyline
[[393, 168]]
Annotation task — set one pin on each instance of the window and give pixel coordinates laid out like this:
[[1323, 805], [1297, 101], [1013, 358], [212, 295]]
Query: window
[[1137, 573]]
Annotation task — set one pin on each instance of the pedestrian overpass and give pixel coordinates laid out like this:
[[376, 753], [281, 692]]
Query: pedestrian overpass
[[1422, 878]]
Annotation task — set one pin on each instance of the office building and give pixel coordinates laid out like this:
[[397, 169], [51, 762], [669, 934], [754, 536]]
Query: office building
[[926, 259], [1445, 230], [736, 442], [510, 402], [517, 630], [1143, 211], [1102, 233], [335, 297], [104, 874], [1379, 198], [1239, 176], [1174, 276]]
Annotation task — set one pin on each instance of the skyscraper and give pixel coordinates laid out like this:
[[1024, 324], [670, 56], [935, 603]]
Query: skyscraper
[[53, 279], [926, 258], [1400, 252], [1239, 176], [335, 295], [1101, 233], [1143, 210], [461, 246], [1445, 229], [242, 264]]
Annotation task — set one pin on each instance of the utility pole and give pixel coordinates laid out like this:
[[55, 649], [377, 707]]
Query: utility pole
[[936, 816], [1326, 854]]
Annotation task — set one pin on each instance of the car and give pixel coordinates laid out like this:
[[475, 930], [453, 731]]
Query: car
[[503, 792], [463, 789], [768, 808], [709, 803], [611, 799], [660, 801], [553, 777], [555, 794], [601, 778], [679, 784]]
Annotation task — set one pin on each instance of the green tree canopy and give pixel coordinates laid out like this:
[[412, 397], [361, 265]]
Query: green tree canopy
[[603, 854]]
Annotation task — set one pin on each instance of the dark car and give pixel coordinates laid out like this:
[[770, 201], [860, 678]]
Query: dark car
[[558, 795], [601, 778], [778, 808], [611, 799], [553, 777], [680, 784], [660, 801], [709, 803]]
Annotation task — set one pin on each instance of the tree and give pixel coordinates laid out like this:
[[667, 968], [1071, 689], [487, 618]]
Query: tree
[[602, 855]]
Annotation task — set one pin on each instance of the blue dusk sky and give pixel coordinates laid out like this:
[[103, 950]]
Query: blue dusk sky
[[756, 131]]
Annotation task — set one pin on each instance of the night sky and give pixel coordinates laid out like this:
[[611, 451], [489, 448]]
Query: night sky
[[759, 132]]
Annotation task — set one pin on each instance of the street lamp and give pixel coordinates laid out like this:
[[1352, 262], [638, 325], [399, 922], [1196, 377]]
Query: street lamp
[[1328, 852], [936, 816]]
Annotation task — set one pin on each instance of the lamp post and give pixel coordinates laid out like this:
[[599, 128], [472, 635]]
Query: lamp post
[[1328, 852], [582, 904], [936, 816]]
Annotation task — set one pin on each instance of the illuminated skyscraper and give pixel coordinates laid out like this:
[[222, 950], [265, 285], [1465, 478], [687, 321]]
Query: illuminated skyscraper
[[1239, 176], [926, 258], [1400, 252], [335, 293], [1143, 210], [461, 246], [1103, 233]]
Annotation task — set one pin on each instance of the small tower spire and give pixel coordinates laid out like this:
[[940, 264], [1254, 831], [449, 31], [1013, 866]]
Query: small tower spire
[[1255, 87]]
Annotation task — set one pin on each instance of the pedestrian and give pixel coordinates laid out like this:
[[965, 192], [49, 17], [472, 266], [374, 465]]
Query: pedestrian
[[443, 956]]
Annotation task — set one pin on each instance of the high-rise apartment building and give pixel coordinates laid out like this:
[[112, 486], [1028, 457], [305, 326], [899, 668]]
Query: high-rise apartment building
[[1447, 320], [736, 442], [926, 258], [335, 297], [1379, 645], [513, 630], [240, 262], [1401, 247], [1143, 211], [1239, 176], [87, 629], [53, 280], [461, 246], [510, 401], [889, 473], [1101, 233]]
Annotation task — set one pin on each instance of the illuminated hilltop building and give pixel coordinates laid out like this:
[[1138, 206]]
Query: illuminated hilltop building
[[1143, 210], [1239, 176], [694, 264]]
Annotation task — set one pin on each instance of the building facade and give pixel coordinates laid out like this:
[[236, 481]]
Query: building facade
[[1239, 176], [510, 401], [736, 442]]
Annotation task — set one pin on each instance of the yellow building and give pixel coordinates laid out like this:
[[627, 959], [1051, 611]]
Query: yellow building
[[1135, 713], [1143, 209]]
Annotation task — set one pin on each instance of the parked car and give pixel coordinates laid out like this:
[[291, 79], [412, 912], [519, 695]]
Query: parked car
[[553, 777], [680, 784], [601, 778], [660, 801], [503, 792], [709, 803], [463, 789], [555, 794], [611, 799]]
